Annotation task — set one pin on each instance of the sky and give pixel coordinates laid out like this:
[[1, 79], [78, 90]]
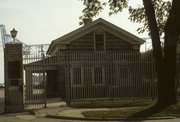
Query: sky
[[41, 21]]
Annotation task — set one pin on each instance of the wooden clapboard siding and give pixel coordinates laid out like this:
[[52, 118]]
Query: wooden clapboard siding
[[87, 43], [84, 43], [115, 43]]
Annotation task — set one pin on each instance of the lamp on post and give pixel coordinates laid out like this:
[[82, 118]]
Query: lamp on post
[[13, 34]]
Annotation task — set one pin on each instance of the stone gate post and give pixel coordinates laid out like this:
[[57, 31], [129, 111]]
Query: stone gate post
[[13, 71]]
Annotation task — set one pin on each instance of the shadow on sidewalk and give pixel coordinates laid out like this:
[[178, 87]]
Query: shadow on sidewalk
[[148, 112]]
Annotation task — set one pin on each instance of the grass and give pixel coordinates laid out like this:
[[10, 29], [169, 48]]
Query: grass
[[142, 111], [112, 104], [128, 109]]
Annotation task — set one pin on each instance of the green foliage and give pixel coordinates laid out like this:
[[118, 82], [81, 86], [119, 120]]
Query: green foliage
[[162, 9], [92, 8], [136, 14], [112, 104], [117, 6]]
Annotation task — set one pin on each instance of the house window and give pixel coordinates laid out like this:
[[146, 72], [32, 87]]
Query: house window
[[99, 42], [98, 75], [76, 76]]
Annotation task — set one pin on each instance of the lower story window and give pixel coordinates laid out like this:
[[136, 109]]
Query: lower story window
[[98, 75], [76, 76]]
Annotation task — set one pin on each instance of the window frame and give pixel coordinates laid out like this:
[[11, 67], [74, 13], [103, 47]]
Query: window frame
[[104, 40], [72, 76]]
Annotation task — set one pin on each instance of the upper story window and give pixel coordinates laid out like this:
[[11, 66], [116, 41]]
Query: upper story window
[[99, 41]]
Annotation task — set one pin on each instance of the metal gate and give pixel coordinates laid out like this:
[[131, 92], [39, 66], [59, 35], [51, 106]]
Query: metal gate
[[34, 82]]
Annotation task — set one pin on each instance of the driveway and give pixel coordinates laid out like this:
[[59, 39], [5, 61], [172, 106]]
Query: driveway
[[1, 100]]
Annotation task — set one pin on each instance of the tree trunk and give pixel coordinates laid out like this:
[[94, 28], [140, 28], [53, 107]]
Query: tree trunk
[[165, 67], [172, 32], [156, 44], [170, 72]]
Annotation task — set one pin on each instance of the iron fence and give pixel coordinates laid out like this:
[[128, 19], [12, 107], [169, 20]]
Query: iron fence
[[34, 82], [89, 76]]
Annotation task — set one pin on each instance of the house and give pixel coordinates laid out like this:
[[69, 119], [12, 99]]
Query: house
[[93, 61], [93, 42]]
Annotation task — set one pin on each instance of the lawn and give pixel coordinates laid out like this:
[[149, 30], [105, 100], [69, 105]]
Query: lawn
[[113, 104], [128, 109], [150, 110]]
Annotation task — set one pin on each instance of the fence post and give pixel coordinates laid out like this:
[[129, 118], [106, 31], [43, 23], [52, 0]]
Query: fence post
[[111, 82], [152, 77], [67, 78], [45, 82]]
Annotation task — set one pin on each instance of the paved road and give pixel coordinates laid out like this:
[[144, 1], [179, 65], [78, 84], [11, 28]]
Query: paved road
[[32, 118], [28, 118], [1, 100]]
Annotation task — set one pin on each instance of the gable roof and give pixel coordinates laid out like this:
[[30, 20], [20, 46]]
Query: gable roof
[[99, 23]]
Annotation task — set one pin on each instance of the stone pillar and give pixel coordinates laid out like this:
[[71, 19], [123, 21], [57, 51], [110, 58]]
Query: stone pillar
[[13, 71]]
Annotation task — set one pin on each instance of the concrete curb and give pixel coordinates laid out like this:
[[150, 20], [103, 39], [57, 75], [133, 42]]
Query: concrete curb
[[108, 119]]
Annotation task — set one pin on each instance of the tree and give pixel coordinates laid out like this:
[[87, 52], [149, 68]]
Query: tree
[[158, 17]]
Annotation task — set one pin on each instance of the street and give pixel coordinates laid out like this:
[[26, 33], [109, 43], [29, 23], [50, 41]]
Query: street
[[32, 118], [28, 118]]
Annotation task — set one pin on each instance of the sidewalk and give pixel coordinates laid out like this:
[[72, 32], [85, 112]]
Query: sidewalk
[[54, 105], [57, 109], [75, 114]]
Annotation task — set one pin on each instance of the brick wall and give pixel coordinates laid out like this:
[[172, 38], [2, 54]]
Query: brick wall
[[13, 77]]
